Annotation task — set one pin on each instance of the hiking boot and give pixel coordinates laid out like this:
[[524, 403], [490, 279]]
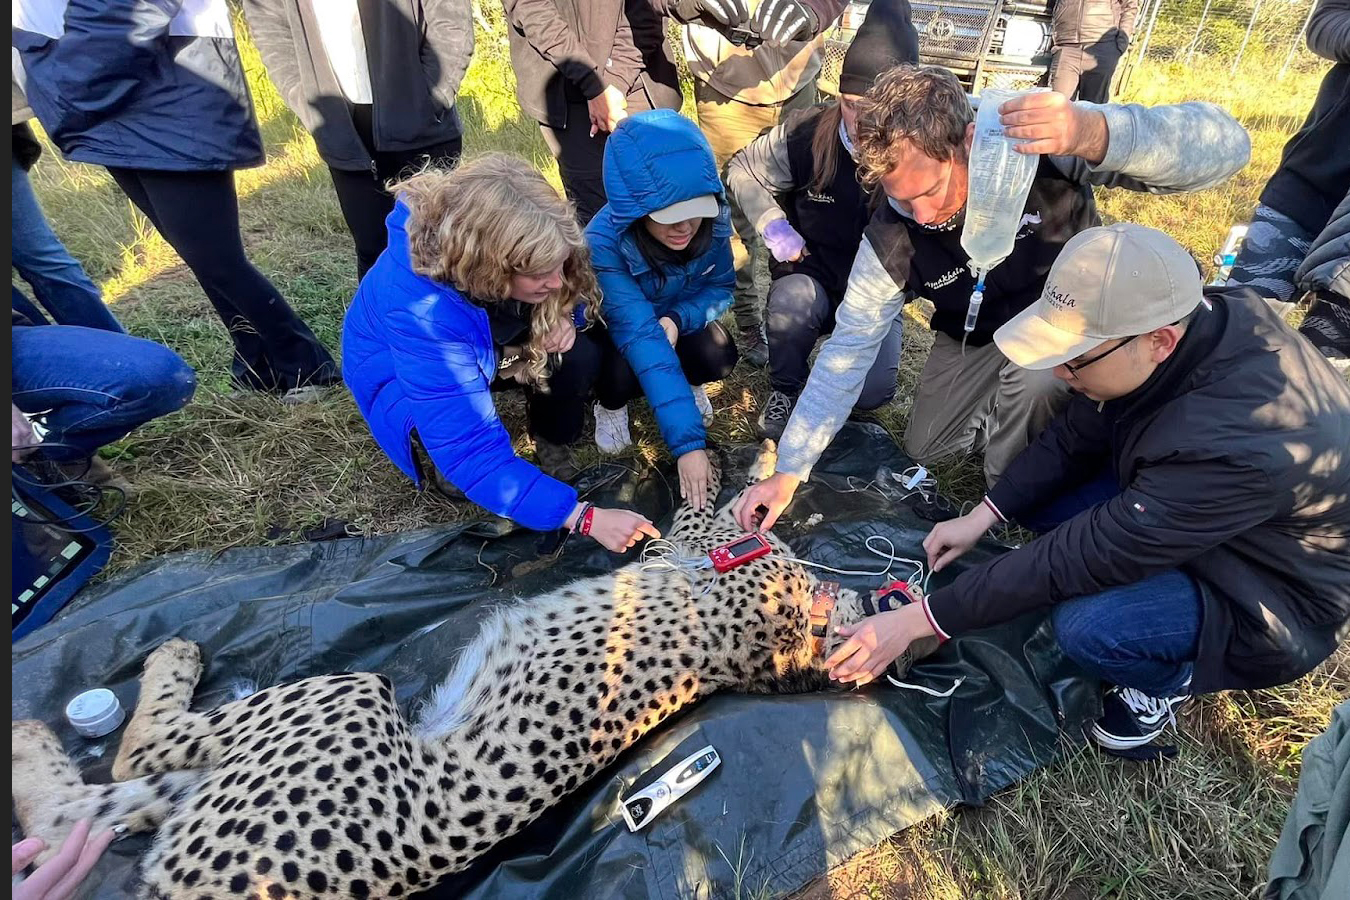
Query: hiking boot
[[1131, 718], [611, 429], [704, 405], [556, 460], [754, 346], [94, 471], [773, 418]]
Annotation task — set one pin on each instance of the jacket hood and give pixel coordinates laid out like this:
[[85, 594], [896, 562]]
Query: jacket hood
[[654, 159]]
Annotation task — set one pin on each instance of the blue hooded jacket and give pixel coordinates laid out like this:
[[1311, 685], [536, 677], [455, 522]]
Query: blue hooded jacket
[[417, 354], [654, 159]]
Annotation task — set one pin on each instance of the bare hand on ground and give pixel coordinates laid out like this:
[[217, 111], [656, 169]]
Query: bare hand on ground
[[949, 540]]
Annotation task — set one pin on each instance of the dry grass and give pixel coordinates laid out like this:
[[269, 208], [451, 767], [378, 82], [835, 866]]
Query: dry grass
[[237, 469]]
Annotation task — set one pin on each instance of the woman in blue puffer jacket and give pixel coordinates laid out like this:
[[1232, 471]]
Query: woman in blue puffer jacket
[[481, 289], [661, 248]]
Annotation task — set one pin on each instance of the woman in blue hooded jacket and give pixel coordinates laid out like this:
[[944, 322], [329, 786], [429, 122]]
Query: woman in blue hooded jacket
[[661, 248], [482, 288]]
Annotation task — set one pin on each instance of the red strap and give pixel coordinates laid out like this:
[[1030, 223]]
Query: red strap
[[586, 518]]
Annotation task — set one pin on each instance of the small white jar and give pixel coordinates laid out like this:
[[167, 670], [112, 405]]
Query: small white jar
[[95, 713]]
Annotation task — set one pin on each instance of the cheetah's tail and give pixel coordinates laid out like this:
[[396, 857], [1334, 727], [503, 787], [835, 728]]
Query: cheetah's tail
[[50, 797]]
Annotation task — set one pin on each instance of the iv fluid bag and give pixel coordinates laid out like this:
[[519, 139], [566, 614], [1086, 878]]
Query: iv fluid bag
[[1000, 179]]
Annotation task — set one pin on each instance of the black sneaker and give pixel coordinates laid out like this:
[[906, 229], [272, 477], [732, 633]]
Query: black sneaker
[[773, 418], [754, 346], [1131, 718]]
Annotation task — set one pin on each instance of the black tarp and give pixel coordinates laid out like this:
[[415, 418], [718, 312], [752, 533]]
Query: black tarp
[[805, 780]]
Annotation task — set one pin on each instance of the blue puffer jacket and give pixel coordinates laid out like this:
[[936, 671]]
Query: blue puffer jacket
[[141, 84], [417, 354], [654, 159]]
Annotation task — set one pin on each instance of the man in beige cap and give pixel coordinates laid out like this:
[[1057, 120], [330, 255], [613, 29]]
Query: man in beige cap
[[1194, 493]]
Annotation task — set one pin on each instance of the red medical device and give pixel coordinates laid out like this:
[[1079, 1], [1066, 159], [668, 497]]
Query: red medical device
[[738, 552]]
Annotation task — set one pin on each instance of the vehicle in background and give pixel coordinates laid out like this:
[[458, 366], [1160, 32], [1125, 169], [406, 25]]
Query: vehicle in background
[[988, 43]]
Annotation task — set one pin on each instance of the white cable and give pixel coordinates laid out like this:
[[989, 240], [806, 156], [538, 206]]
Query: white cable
[[888, 555], [927, 690]]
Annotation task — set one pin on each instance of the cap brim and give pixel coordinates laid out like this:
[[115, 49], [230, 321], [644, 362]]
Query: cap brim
[[702, 207], [1033, 343]]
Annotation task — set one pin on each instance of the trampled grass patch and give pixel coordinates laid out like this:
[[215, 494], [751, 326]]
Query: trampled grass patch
[[238, 469]]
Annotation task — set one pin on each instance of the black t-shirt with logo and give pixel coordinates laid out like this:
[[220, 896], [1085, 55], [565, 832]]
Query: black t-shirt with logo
[[931, 262], [831, 221]]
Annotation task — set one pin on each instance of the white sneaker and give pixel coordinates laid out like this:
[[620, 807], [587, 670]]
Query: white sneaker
[[704, 405], [611, 429]]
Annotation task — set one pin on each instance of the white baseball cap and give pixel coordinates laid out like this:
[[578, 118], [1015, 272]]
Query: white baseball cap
[[1108, 282], [701, 207]]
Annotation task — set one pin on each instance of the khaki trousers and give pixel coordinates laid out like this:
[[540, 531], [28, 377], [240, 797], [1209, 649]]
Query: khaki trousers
[[979, 402], [730, 125]]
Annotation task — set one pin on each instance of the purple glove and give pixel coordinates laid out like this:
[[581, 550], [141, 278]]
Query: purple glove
[[783, 241]]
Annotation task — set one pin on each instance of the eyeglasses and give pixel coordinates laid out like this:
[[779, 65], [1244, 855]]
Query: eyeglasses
[[1075, 368]]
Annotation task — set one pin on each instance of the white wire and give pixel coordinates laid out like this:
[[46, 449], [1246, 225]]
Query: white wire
[[926, 690], [889, 555]]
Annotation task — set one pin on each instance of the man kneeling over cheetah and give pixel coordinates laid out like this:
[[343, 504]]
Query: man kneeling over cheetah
[[321, 787]]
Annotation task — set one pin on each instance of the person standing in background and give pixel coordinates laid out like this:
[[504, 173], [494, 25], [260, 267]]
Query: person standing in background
[[59, 282], [741, 91], [581, 68], [343, 67], [155, 92], [1088, 38]]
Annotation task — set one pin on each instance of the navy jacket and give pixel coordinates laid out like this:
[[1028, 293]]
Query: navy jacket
[[417, 354], [142, 84], [654, 159]]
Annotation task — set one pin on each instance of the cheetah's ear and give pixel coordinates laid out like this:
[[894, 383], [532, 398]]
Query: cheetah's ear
[[766, 460]]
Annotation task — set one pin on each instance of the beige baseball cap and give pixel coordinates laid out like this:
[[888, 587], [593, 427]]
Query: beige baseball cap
[[1109, 282], [703, 206]]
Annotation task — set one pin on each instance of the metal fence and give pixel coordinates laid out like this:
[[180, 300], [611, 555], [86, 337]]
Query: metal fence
[[1268, 33]]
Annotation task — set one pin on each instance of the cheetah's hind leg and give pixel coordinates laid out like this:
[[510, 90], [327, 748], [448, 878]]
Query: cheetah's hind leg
[[50, 796]]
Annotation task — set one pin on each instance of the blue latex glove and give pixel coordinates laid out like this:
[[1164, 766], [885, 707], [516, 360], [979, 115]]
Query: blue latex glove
[[783, 241]]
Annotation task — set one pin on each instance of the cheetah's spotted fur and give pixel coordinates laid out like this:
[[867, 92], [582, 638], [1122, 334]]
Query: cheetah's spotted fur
[[321, 787]]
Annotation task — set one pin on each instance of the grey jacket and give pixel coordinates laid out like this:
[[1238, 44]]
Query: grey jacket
[[1151, 150], [418, 51], [1088, 21], [1327, 265]]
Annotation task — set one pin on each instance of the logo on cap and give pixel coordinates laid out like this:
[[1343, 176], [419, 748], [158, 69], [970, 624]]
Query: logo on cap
[[1055, 297]]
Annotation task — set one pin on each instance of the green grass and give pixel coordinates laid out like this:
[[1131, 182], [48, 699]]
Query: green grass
[[233, 468]]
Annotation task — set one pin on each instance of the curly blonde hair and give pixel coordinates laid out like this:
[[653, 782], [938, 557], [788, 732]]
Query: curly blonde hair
[[495, 216], [911, 105]]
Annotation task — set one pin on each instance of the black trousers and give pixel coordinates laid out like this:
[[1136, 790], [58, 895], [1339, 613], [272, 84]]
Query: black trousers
[[581, 157], [559, 416], [1087, 69], [363, 197], [198, 214], [707, 355]]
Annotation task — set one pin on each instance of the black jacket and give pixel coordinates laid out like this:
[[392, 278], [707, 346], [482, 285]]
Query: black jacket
[[570, 50], [417, 50], [1234, 467], [1314, 172]]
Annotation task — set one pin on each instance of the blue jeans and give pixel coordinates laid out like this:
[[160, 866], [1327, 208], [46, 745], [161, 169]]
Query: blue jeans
[[1143, 635], [94, 386], [59, 282]]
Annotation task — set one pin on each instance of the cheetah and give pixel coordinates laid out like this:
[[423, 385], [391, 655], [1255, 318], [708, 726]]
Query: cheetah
[[321, 787]]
